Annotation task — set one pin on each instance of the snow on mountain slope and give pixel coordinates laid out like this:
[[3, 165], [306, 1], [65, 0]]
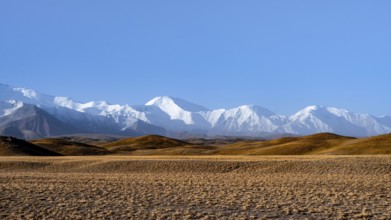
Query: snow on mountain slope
[[385, 120], [156, 116], [178, 115], [30, 121], [179, 109], [171, 103], [8, 107], [247, 119], [24, 95], [313, 119], [213, 116], [62, 107]]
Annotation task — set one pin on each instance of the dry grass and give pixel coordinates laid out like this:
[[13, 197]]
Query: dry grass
[[317, 144], [149, 142], [372, 145], [207, 187], [70, 148], [10, 146]]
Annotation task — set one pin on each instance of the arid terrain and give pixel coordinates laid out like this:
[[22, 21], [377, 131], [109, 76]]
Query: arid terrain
[[196, 187]]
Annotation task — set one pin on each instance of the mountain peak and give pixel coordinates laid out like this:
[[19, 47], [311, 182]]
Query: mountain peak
[[257, 109], [167, 102], [160, 99], [324, 109], [314, 107], [29, 93], [320, 110], [25, 95]]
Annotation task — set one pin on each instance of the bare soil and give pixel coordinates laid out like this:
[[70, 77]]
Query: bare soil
[[196, 187]]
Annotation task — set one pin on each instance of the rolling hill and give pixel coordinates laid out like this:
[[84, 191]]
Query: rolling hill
[[317, 144], [149, 142], [10, 146], [372, 145], [70, 148], [312, 144]]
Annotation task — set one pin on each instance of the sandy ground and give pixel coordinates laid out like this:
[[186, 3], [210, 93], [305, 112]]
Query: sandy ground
[[282, 187]]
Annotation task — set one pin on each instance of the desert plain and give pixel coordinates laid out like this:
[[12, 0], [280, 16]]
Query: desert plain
[[196, 187]]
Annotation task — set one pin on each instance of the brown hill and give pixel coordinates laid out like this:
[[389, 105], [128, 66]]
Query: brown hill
[[92, 139], [70, 148], [10, 146], [149, 142], [317, 144], [372, 145], [312, 144]]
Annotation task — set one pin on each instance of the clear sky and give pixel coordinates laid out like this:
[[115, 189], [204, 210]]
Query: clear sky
[[282, 55]]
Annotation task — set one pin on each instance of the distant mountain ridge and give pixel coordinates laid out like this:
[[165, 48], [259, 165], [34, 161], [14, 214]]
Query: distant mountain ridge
[[171, 117]]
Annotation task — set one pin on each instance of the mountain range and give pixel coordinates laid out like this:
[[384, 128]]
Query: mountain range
[[26, 113]]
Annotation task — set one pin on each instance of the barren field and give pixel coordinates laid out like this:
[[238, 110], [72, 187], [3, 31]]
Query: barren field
[[207, 187]]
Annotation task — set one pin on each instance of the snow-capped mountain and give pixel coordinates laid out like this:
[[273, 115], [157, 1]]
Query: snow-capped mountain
[[181, 114], [167, 115], [329, 119], [29, 121], [245, 120]]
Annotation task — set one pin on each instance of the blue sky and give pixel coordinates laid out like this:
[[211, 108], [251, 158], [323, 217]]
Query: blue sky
[[282, 55]]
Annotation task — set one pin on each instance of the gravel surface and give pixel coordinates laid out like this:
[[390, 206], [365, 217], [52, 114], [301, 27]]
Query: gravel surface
[[280, 187]]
